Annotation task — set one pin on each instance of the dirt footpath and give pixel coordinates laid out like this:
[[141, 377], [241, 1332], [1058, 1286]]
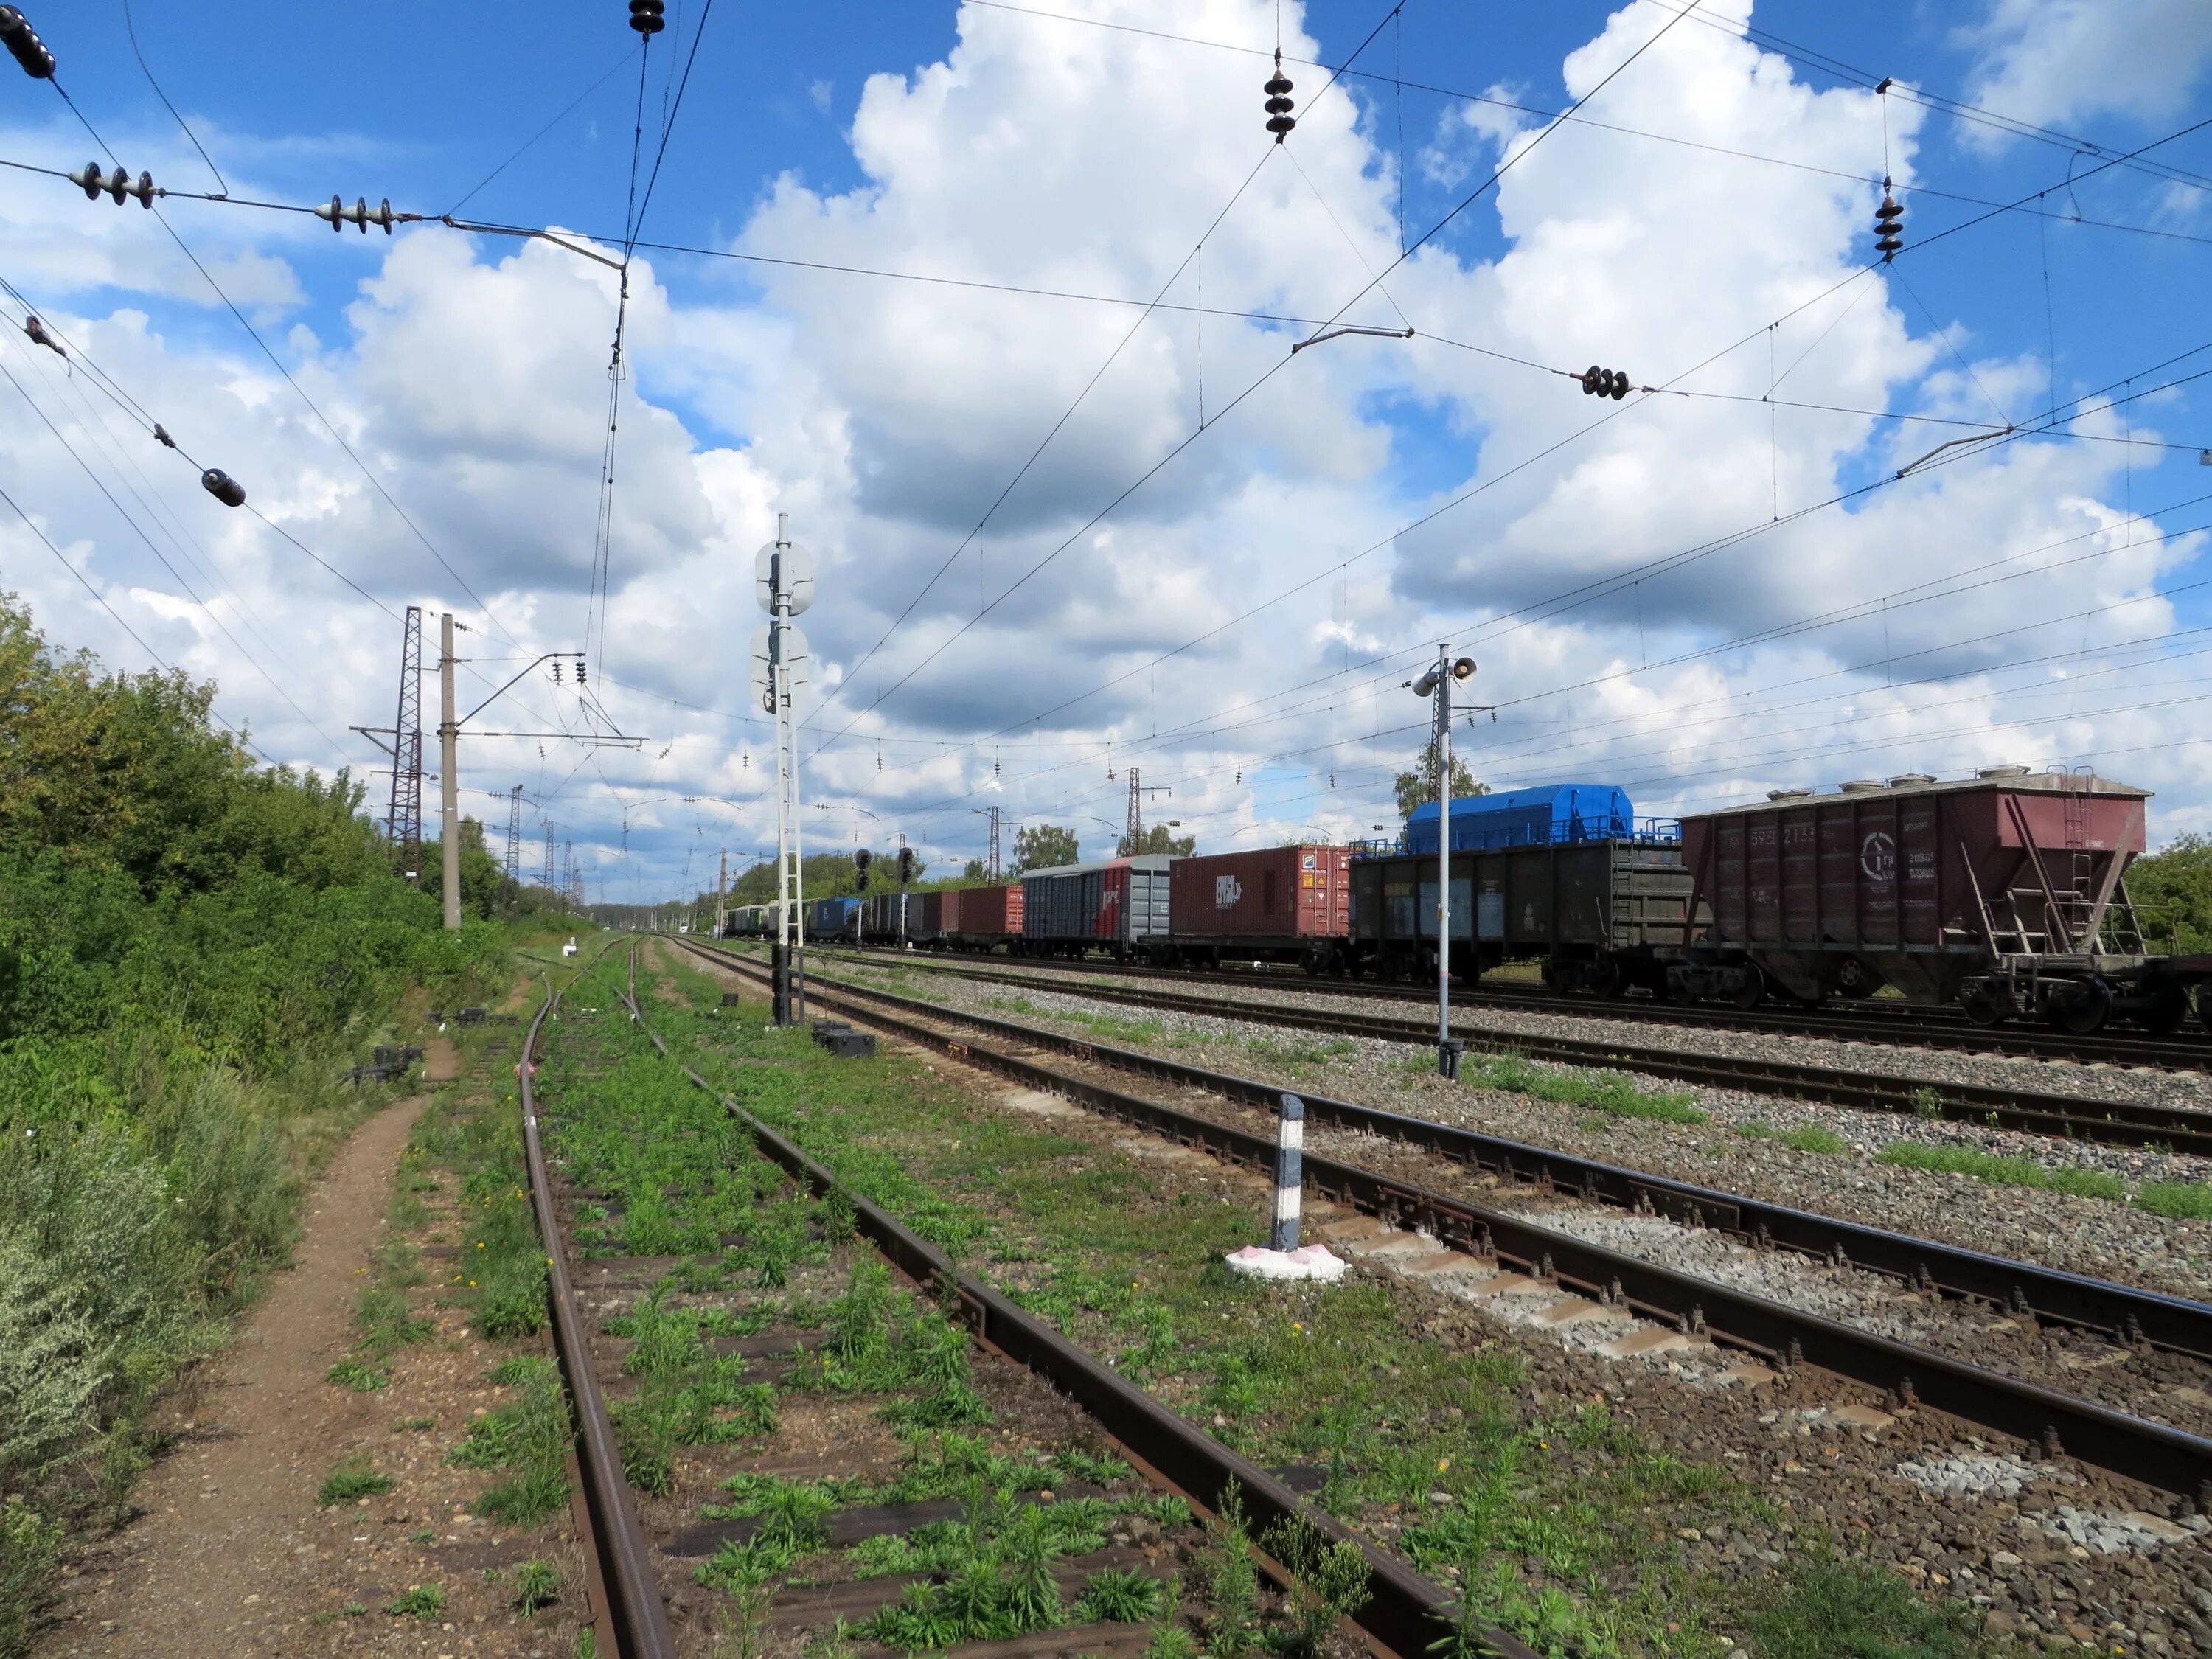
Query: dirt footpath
[[226, 1557]]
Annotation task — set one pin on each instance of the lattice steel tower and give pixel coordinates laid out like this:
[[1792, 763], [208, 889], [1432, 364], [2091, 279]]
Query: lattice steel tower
[[515, 833], [404, 822]]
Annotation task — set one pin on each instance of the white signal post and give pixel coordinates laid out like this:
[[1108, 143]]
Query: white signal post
[[1437, 681], [784, 581]]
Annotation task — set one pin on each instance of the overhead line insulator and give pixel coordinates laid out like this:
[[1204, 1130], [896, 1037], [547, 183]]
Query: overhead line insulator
[[1603, 382], [224, 488], [37, 330], [24, 46], [161, 436], [89, 180], [337, 215], [1277, 89], [1888, 225], [645, 16]]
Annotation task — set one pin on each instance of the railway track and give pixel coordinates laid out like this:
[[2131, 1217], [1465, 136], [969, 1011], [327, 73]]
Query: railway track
[[1874, 1021], [2066, 1116], [2047, 1421], [647, 1562]]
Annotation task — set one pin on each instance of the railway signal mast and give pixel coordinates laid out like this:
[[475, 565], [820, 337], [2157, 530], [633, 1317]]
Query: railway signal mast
[[783, 578], [1438, 682]]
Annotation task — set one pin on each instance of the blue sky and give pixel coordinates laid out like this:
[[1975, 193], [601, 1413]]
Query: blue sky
[[1006, 147]]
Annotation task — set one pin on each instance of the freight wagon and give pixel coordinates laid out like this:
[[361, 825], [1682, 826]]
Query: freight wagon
[[833, 919], [1118, 905], [2004, 893], [1596, 910], [1272, 904], [982, 918]]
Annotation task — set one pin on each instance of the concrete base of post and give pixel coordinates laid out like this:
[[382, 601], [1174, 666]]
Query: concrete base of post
[[1312, 1261], [1448, 1055]]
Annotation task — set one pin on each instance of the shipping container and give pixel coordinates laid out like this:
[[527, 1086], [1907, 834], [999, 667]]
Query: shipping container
[[1118, 905], [925, 918], [1271, 904], [832, 919], [983, 918]]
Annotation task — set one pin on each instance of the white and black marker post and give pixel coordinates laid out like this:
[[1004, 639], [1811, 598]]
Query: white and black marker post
[[1289, 1173]]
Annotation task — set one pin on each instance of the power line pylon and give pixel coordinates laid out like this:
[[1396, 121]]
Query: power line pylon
[[404, 822], [1132, 839], [515, 833], [545, 880], [991, 870]]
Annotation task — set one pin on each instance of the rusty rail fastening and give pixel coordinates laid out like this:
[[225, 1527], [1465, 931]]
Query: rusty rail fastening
[[2120, 1123], [1405, 1612], [641, 1620], [2152, 1454]]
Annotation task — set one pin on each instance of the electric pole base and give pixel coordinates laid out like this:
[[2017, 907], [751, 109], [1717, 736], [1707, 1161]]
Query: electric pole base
[[780, 977], [1447, 1054]]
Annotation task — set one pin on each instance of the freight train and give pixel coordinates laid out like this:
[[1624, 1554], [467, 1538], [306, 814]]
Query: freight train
[[2003, 894]]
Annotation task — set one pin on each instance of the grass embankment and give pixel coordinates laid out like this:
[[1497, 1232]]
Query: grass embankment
[[683, 1178], [192, 950], [1561, 1523]]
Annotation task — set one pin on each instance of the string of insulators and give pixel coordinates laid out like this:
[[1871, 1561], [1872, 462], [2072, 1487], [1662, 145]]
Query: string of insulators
[[1888, 225], [1279, 119], [161, 436], [339, 216], [89, 179], [1603, 382], [224, 488], [645, 16], [24, 46], [37, 330]]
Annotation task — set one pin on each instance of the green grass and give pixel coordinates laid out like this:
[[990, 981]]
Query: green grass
[[350, 1482], [528, 1438], [1128, 1261], [536, 1584], [1608, 1092], [2001, 1171], [1833, 1610], [362, 1378], [1811, 1138], [419, 1601], [2178, 1200]]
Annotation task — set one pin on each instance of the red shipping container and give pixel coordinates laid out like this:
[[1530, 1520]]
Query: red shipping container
[[1272, 892], [992, 912]]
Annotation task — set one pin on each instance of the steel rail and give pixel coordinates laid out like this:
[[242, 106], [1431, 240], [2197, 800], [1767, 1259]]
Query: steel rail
[[1405, 1612], [2151, 1454], [2122, 1123], [2126, 1314], [642, 1629], [1909, 1025]]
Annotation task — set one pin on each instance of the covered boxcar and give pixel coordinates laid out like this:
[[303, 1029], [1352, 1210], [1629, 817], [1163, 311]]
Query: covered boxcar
[[2003, 892], [1118, 905], [1270, 904]]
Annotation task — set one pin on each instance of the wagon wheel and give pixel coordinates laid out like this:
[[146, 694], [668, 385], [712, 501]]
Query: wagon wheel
[[1603, 978], [1854, 979], [2166, 1006], [1753, 991], [1983, 1004], [2082, 1008]]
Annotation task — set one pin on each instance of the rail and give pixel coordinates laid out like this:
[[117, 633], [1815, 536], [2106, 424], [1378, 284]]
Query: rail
[[1404, 1612], [642, 1626], [2152, 1454]]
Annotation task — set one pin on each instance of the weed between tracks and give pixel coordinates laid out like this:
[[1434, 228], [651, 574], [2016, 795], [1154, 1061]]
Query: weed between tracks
[[1559, 1522], [669, 1173]]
